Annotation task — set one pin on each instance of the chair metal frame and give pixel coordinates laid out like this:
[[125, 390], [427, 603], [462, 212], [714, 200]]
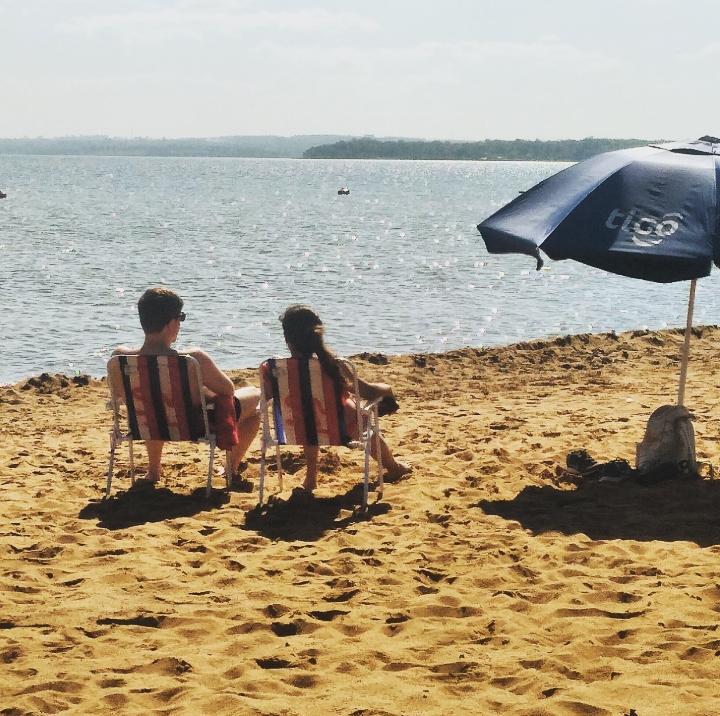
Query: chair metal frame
[[118, 436], [368, 423]]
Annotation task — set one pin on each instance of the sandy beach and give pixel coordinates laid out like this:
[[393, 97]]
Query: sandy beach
[[487, 582]]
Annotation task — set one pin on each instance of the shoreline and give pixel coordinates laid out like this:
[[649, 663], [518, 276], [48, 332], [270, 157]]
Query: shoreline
[[486, 582], [383, 358]]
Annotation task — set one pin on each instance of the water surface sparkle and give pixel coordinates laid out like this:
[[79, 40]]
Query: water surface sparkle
[[397, 266]]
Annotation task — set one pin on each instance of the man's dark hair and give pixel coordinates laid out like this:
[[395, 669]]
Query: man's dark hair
[[157, 307]]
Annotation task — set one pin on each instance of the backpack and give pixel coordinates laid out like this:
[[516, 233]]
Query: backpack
[[669, 443]]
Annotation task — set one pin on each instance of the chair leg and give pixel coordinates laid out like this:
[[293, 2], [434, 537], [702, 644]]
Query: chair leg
[[228, 476], [366, 477], [132, 462], [208, 487], [261, 480], [377, 436], [279, 466], [111, 463]]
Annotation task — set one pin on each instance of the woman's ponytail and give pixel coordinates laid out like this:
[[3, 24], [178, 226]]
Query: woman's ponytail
[[303, 332], [328, 360]]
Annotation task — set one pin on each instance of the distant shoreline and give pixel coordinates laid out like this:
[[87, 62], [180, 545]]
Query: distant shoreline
[[319, 147], [564, 150]]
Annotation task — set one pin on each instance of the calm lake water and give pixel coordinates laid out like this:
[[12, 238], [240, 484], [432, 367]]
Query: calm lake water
[[397, 266]]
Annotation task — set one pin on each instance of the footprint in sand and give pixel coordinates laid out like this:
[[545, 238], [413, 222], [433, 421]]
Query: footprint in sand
[[110, 553], [275, 610], [397, 619], [368, 552], [10, 655], [234, 566], [342, 596], [150, 621], [274, 662], [169, 666], [63, 687], [454, 668], [167, 695], [285, 629], [111, 683], [329, 615], [41, 555], [441, 610], [115, 701], [592, 612], [433, 576], [303, 681]]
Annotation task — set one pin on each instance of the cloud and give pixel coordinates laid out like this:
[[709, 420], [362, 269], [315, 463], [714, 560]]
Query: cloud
[[706, 52], [440, 58], [536, 55], [194, 18]]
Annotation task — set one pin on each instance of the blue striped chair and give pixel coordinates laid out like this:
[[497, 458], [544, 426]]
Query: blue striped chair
[[306, 407]]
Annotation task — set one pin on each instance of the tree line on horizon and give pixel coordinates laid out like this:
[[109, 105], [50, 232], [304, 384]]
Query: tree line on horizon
[[568, 150], [258, 146], [318, 147]]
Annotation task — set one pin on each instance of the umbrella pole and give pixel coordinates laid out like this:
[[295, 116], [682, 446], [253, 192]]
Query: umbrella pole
[[686, 345]]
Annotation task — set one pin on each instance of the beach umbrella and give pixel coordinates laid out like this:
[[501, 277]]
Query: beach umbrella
[[650, 213]]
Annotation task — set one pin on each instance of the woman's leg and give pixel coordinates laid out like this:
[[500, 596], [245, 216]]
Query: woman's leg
[[248, 423], [311, 458], [154, 451], [394, 467]]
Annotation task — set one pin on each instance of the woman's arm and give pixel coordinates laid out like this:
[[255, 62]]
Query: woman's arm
[[373, 391], [368, 391]]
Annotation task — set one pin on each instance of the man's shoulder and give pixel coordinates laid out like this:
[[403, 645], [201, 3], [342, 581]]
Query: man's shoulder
[[126, 351], [193, 351], [197, 353]]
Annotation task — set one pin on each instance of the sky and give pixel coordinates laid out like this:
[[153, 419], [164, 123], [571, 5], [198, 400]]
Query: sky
[[450, 69]]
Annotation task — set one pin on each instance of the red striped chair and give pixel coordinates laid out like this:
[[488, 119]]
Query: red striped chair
[[307, 408], [163, 400]]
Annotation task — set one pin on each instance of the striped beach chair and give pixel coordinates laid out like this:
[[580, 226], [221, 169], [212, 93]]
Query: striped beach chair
[[163, 400], [306, 407]]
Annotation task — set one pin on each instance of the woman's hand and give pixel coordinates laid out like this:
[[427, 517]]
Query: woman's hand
[[373, 391], [383, 389]]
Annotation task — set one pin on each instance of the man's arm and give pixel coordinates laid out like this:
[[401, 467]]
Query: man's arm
[[114, 376], [213, 378]]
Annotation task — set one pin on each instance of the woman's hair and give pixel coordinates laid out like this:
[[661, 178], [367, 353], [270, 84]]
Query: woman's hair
[[303, 331]]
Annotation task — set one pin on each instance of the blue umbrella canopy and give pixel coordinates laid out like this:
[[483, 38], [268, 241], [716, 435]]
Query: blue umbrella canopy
[[651, 213]]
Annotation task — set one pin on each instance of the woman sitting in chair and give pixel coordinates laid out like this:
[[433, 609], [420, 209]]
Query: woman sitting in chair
[[303, 331]]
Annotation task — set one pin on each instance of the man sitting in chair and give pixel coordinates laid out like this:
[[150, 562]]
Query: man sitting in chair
[[161, 314]]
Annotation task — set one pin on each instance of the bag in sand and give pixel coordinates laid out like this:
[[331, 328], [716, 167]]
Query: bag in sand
[[669, 442]]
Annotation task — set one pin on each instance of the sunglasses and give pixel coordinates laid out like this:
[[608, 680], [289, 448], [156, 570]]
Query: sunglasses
[[181, 316]]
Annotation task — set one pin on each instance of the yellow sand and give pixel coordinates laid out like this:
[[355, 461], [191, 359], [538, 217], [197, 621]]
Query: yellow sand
[[486, 583]]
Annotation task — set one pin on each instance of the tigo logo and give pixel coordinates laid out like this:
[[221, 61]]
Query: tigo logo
[[644, 229]]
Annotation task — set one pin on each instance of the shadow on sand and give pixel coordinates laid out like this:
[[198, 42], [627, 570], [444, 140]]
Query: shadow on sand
[[144, 503], [676, 510], [307, 517]]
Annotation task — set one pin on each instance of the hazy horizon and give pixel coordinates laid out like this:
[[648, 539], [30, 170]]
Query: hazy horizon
[[301, 135], [468, 70]]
